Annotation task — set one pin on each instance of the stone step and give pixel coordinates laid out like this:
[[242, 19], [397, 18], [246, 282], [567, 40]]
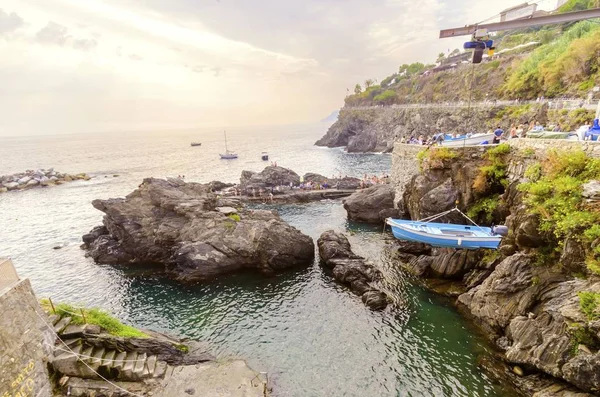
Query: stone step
[[71, 343], [98, 356], [53, 319], [161, 369], [61, 324], [109, 356], [129, 362], [86, 353], [138, 368], [150, 366], [77, 387], [119, 357], [72, 331]]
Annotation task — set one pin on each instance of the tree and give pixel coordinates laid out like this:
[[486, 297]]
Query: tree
[[369, 83], [357, 89], [441, 56], [415, 68], [455, 51]]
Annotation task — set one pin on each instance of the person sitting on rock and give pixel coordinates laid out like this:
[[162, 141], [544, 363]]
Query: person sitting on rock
[[497, 135]]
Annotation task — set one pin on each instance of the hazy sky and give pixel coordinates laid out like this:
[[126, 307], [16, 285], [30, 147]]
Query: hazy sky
[[92, 65]]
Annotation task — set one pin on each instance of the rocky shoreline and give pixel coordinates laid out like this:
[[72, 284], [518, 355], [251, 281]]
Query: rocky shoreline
[[528, 300], [39, 178]]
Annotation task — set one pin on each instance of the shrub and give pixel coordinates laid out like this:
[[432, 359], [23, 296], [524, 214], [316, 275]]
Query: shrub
[[484, 208], [492, 176], [432, 155], [588, 303], [234, 217], [556, 196]]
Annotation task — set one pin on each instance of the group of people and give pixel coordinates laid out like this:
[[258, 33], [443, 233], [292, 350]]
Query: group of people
[[519, 131]]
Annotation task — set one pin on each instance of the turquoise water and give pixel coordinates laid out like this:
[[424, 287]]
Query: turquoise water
[[313, 336]]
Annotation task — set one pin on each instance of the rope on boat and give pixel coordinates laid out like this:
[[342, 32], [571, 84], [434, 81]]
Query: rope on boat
[[441, 214]]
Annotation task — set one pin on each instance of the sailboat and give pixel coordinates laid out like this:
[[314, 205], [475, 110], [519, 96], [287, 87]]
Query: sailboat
[[228, 155]]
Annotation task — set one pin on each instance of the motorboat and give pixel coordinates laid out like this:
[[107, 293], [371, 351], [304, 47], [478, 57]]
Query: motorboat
[[228, 155], [264, 156], [447, 234], [469, 140], [196, 144]]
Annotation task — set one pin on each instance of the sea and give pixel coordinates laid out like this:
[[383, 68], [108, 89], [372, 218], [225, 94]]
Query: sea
[[311, 335]]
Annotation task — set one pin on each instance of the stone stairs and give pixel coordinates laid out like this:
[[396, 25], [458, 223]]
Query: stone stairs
[[82, 360]]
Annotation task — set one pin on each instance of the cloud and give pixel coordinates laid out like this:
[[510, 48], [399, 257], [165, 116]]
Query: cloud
[[84, 44], [53, 33], [9, 22], [135, 57]]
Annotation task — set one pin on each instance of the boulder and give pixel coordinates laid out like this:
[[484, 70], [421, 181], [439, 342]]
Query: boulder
[[3, 189], [591, 190], [346, 183], [177, 224], [365, 205], [350, 269], [271, 176], [217, 186], [11, 185], [24, 180], [315, 178], [31, 183]]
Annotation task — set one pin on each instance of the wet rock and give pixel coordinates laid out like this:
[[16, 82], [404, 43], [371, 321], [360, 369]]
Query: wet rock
[[94, 234], [350, 269], [412, 247], [176, 224], [367, 204]]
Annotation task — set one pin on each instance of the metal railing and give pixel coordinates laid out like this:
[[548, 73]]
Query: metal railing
[[8, 273]]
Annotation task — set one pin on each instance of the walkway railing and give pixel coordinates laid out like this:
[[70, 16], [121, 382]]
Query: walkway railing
[[8, 273]]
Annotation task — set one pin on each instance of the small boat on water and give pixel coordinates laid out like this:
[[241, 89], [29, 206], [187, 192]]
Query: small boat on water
[[228, 155], [464, 140], [446, 234], [264, 156], [196, 144]]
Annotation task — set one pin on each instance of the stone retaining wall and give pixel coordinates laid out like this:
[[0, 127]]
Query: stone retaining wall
[[25, 344], [541, 145]]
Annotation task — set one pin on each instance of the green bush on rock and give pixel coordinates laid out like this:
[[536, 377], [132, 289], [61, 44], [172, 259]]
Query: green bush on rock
[[589, 303], [555, 194]]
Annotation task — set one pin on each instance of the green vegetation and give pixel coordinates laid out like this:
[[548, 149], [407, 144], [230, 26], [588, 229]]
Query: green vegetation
[[582, 335], [484, 208], [527, 152], [570, 120], [234, 217], [94, 316], [182, 348], [492, 176], [435, 155], [387, 97], [589, 303], [578, 5], [512, 112], [558, 67], [555, 194], [533, 172]]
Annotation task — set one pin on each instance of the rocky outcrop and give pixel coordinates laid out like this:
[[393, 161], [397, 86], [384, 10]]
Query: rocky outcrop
[[350, 269], [524, 297], [179, 225], [376, 129], [371, 205], [271, 176], [39, 178]]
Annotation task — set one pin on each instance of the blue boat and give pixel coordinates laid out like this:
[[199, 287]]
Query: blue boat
[[447, 235]]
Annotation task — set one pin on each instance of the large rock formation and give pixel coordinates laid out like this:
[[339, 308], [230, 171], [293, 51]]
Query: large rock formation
[[371, 205], [376, 129], [525, 299], [271, 176], [351, 269], [179, 225]]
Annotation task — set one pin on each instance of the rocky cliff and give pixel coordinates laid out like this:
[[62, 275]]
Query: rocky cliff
[[375, 129], [538, 296]]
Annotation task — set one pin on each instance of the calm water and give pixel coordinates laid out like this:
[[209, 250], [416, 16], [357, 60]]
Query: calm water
[[311, 335]]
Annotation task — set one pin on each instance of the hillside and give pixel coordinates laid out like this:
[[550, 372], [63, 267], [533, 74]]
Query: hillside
[[549, 61]]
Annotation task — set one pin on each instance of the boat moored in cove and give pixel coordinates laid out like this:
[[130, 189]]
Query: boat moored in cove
[[228, 155], [196, 144], [264, 156], [466, 140]]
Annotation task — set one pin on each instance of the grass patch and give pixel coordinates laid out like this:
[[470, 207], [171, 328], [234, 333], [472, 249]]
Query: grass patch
[[94, 316], [234, 217], [555, 194], [589, 303], [435, 156], [182, 348]]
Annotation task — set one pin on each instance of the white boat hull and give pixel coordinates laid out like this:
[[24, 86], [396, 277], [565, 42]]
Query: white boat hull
[[229, 156], [476, 139]]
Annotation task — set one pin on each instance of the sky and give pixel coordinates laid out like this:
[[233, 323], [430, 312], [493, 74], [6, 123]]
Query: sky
[[72, 66]]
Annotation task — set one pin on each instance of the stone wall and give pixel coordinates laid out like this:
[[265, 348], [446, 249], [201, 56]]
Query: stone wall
[[25, 344], [541, 145]]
